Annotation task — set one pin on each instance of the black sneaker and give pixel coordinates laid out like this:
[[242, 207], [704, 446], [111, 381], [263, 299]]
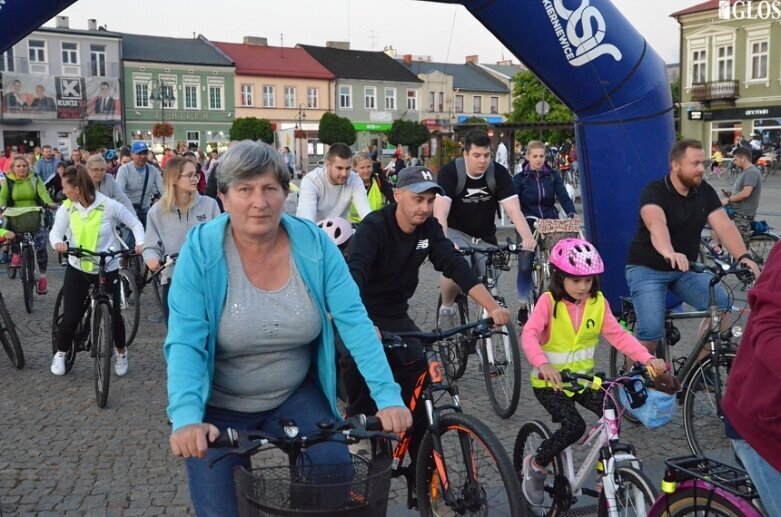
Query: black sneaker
[[523, 316]]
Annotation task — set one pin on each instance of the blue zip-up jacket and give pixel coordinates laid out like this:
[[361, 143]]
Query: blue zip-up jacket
[[538, 190], [198, 294]]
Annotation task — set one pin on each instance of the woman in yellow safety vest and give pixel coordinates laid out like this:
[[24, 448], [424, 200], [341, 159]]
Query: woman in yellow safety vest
[[562, 333], [378, 190], [88, 219]]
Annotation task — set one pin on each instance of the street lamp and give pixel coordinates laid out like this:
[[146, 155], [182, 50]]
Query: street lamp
[[300, 117], [160, 91]]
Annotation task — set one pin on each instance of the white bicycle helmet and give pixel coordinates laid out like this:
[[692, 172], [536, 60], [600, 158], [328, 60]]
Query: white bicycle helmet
[[339, 230]]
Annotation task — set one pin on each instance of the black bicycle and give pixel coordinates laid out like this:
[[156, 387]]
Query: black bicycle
[[9, 337], [358, 488], [29, 220], [94, 333], [498, 352], [133, 285]]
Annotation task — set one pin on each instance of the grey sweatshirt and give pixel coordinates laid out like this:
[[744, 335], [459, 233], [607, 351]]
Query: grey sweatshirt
[[166, 231], [109, 188], [131, 182]]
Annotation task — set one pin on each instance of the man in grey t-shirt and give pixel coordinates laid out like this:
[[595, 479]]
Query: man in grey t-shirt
[[744, 197]]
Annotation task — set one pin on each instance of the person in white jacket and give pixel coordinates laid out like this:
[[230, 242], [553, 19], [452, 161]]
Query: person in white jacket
[[169, 220], [87, 219]]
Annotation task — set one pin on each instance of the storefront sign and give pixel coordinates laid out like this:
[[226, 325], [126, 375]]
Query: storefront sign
[[700, 115], [372, 126], [742, 113]]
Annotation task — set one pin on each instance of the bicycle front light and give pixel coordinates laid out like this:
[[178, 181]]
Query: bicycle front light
[[291, 431], [737, 331]]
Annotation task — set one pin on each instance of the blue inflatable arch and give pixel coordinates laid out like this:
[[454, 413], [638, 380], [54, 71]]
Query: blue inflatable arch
[[595, 62]]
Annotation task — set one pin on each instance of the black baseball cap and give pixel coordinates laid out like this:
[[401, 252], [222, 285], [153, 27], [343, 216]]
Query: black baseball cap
[[418, 180]]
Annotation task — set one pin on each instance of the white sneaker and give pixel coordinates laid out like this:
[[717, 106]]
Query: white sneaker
[[58, 363], [447, 317], [120, 364]]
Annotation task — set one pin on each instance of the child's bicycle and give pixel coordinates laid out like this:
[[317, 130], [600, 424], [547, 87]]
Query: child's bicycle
[[357, 488], [621, 488], [694, 485]]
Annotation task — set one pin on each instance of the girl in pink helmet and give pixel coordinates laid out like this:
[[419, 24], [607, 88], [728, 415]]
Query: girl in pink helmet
[[562, 333]]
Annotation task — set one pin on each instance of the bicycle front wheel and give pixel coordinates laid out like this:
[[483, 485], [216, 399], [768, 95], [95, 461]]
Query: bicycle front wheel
[[701, 397], [129, 305], [760, 246], [529, 439], [634, 496], [28, 277], [502, 370], [9, 269], [9, 337], [102, 347], [454, 352], [472, 474], [538, 277]]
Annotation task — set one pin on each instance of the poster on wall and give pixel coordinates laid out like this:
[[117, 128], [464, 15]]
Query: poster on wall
[[71, 97], [104, 98], [28, 96]]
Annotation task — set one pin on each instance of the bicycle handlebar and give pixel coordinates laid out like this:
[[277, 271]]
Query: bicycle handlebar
[[479, 328], [599, 379], [82, 252], [510, 247]]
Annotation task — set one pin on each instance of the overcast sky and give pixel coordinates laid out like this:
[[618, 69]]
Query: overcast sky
[[445, 32]]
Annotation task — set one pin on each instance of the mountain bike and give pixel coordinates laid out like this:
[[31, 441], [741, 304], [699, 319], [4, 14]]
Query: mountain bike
[[622, 488], [499, 354], [26, 229], [357, 488], [9, 337], [461, 466], [703, 378], [94, 333], [132, 286], [695, 485]]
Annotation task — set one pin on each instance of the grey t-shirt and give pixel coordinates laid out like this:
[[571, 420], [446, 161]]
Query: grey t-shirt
[[264, 340], [749, 177]]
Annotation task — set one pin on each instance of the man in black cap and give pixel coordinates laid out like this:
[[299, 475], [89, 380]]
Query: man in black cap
[[385, 255]]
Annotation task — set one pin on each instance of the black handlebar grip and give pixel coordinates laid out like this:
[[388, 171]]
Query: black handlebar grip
[[373, 423], [228, 439]]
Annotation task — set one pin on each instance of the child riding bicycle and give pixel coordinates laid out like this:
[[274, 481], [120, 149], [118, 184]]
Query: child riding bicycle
[[562, 333]]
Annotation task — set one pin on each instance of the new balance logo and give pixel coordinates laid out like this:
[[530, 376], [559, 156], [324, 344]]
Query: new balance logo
[[422, 245]]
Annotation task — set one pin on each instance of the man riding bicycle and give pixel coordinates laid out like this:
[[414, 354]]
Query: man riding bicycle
[[673, 213], [744, 198]]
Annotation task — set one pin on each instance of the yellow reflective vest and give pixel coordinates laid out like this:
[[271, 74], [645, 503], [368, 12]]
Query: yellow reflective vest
[[376, 201], [85, 230]]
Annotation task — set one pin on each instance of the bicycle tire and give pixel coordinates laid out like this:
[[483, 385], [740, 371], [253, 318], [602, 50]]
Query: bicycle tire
[[635, 493], [527, 441], [28, 278], [538, 277], [760, 246], [468, 447], [59, 311], [130, 305], [9, 337], [454, 354], [695, 501], [701, 421], [10, 270], [102, 347], [503, 377]]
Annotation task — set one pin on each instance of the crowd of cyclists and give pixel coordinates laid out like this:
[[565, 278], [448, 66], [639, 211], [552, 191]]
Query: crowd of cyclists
[[267, 312]]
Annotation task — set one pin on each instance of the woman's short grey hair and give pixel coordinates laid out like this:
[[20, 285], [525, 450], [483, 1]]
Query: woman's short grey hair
[[247, 160]]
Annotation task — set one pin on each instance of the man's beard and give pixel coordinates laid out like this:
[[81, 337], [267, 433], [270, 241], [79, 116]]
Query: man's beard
[[691, 182]]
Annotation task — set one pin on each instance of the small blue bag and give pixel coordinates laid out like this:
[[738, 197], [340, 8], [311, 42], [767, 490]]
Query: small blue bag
[[657, 411]]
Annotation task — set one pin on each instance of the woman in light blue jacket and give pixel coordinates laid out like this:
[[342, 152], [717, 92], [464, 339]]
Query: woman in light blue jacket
[[249, 338]]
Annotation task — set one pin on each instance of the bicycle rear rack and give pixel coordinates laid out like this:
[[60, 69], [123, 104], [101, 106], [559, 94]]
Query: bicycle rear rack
[[732, 479]]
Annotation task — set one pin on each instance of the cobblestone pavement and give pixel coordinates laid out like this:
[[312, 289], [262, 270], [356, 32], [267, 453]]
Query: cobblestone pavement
[[61, 455]]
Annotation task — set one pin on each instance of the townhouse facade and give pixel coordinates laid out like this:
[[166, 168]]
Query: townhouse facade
[[730, 75], [57, 80]]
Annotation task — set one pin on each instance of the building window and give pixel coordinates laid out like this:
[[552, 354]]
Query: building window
[[494, 105], [390, 99], [370, 97], [191, 96], [7, 60], [431, 99], [290, 97], [268, 96], [726, 134], [142, 95], [699, 67], [412, 100], [477, 101], [167, 90], [70, 53], [215, 97], [37, 50], [459, 104], [724, 60], [441, 103], [759, 55], [312, 98], [345, 96], [97, 60], [193, 139], [247, 95]]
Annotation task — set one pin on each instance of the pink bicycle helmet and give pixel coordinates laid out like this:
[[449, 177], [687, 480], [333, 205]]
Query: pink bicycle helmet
[[576, 257], [339, 230]]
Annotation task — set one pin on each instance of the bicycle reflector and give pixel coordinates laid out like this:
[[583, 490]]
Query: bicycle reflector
[[636, 392]]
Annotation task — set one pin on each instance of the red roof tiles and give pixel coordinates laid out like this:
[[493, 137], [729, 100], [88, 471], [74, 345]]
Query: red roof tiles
[[274, 61]]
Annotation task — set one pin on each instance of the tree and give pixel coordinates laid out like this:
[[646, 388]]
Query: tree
[[252, 128], [527, 92], [96, 136], [335, 129], [408, 133]]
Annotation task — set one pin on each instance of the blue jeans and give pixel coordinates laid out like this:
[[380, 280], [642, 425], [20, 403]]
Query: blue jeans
[[211, 489], [648, 288], [524, 281], [764, 476]]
